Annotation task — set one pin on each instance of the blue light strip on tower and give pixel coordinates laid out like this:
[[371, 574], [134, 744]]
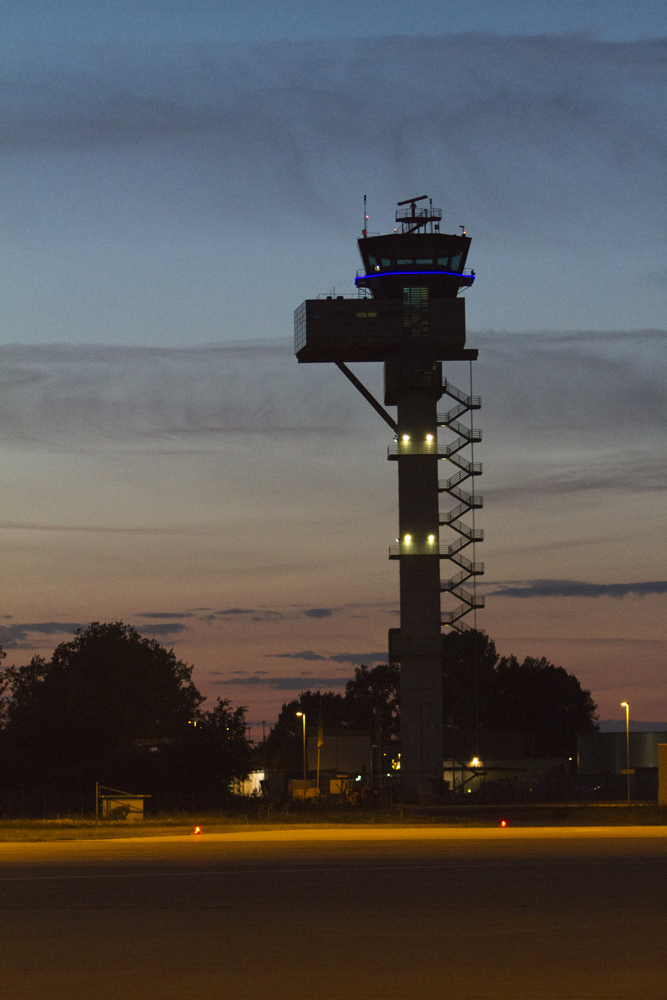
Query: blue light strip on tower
[[389, 274]]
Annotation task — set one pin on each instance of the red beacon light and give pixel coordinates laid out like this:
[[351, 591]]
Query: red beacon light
[[503, 822], [197, 829]]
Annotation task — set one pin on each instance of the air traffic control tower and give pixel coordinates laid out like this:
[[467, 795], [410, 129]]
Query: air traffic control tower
[[407, 312]]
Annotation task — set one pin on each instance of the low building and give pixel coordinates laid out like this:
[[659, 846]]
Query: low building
[[343, 751], [465, 777], [606, 753], [251, 786]]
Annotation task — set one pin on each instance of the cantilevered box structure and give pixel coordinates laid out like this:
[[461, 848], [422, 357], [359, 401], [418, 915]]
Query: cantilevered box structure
[[408, 314]]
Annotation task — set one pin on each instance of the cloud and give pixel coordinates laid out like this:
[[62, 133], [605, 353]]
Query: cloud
[[306, 654], [309, 654], [574, 588], [241, 614], [232, 612], [360, 658], [530, 132], [575, 641], [192, 400], [103, 529], [165, 614], [161, 400], [166, 628], [619, 471], [293, 683], [318, 612], [291, 99], [15, 636], [248, 614]]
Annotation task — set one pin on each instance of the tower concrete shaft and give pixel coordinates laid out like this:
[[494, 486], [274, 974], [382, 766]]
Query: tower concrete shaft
[[421, 659]]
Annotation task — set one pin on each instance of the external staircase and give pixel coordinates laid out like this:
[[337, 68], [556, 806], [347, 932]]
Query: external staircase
[[467, 471]]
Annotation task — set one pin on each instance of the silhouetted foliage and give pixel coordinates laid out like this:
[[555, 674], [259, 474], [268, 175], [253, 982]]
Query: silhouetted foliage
[[483, 695], [208, 755], [118, 708], [468, 664], [370, 703], [544, 702], [372, 699], [484, 692], [284, 744]]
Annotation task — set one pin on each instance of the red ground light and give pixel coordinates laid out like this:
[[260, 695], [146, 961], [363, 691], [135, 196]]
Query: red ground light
[[503, 822], [197, 829]]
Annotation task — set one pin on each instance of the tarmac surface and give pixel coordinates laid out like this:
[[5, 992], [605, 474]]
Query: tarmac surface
[[332, 914]]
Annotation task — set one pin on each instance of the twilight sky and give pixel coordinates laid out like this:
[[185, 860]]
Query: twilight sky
[[179, 177]]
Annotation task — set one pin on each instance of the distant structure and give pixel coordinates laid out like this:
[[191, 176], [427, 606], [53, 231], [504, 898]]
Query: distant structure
[[408, 314]]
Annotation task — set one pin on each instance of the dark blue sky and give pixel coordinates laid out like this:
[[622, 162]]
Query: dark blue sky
[[260, 20]]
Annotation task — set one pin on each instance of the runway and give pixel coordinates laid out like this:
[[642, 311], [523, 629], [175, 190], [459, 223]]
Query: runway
[[425, 912]]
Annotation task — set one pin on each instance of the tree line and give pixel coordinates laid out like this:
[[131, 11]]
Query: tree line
[[483, 694], [115, 707]]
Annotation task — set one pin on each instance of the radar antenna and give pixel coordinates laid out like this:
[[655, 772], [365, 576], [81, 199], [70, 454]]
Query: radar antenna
[[413, 219]]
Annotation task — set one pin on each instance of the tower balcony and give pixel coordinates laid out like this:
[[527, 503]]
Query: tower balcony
[[407, 446], [409, 546]]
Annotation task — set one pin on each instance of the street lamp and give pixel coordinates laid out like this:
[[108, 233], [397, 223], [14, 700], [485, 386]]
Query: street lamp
[[303, 716], [628, 770]]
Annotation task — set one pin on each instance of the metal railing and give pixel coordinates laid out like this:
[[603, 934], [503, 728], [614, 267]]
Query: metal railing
[[418, 549], [445, 485], [404, 448], [472, 534], [471, 568], [446, 585], [450, 617], [407, 214], [455, 547], [471, 402], [455, 513], [456, 411], [358, 293], [471, 468], [464, 595], [469, 433], [465, 497]]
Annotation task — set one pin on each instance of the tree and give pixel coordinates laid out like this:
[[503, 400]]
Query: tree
[[210, 753], [468, 664], [99, 698], [372, 699], [483, 692], [544, 702], [370, 703], [284, 744]]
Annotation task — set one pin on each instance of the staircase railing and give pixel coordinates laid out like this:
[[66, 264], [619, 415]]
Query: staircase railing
[[468, 501]]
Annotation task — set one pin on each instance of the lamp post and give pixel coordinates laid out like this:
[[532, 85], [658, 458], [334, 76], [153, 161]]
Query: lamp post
[[303, 716], [628, 770]]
